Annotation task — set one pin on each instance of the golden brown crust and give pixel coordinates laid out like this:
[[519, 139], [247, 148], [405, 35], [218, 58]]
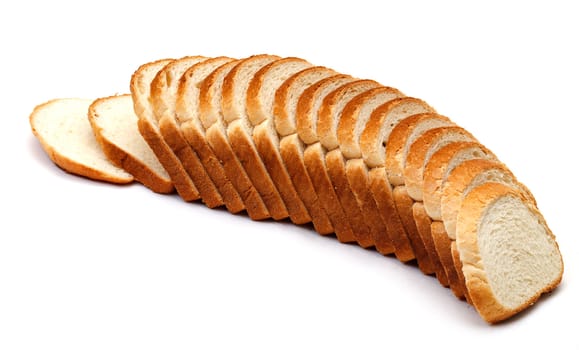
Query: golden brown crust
[[351, 124], [404, 204], [191, 163], [254, 204], [329, 116], [371, 140], [358, 179], [123, 158], [213, 167], [179, 177], [472, 210], [245, 150], [381, 191], [276, 168], [315, 161], [360, 221], [442, 245], [417, 153], [423, 223], [285, 124], [397, 141], [458, 267], [436, 168], [292, 154], [307, 113]]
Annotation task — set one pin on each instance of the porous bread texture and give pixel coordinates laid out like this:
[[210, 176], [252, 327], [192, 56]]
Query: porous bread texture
[[422, 149], [240, 130], [260, 110], [471, 174], [402, 137], [114, 123], [311, 101], [441, 164], [508, 253], [64, 132], [187, 112], [288, 94], [211, 116], [140, 86], [164, 88], [291, 147]]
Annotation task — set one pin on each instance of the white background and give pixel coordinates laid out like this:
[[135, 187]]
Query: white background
[[86, 265]]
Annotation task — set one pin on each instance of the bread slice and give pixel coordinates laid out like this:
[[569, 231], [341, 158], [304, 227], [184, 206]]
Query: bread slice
[[441, 164], [307, 112], [372, 144], [149, 129], [187, 111], [292, 148], [334, 163], [509, 254], [442, 244], [260, 110], [114, 123], [402, 137], [471, 174], [240, 130], [211, 116], [164, 88], [422, 150], [64, 132]]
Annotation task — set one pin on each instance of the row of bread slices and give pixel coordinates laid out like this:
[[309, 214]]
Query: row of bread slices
[[283, 138]]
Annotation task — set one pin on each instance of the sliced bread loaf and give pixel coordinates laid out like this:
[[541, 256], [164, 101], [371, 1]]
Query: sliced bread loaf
[[64, 132], [149, 129], [261, 95], [211, 116], [240, 130], [508, 253], [292, 148], [114, 123]]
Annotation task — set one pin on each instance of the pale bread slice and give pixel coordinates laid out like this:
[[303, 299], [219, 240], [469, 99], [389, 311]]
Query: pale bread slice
[[327, 125], [468, 175], [509, 255], [422, 150], [114, 123], [64, 132], [194, 141], [240, 130], [372, 144], [149, 129], [261, 95], [164, 88], [211, 116], [292, 148], [402, 137], [441, 164]]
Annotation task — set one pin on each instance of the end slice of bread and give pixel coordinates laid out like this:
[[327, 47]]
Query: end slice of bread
[[64, 131], [509, 254], [114, 124]]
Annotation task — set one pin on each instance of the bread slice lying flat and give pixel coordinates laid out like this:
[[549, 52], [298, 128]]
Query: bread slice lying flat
[[508, 252], [114, 124], [63, 129]]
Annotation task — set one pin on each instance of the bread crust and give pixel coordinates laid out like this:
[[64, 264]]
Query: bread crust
[[442, 245], [404, 205], [423, 225], [480, 291], [437, 167], [124, 158], [399, 137], [292, 149], [418, 152], [315, 161]]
